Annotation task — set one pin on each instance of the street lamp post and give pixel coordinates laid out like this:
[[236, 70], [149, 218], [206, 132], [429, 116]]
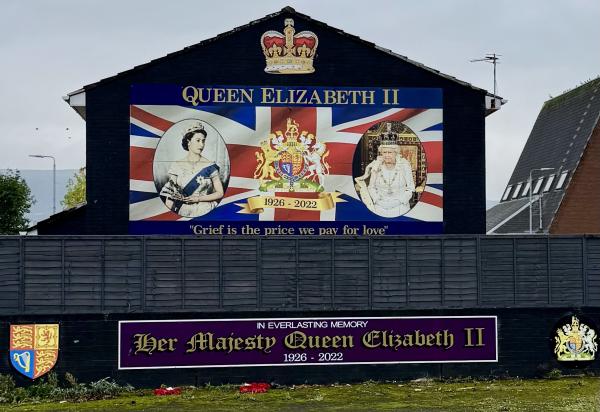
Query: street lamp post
[[542, 169], [53, 179]]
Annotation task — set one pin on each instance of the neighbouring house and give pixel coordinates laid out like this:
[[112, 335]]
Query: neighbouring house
[[555, 186]]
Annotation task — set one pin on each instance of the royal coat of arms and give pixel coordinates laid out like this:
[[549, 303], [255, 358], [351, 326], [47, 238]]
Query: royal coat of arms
[[292, 161], [575, 341], [33, 348]]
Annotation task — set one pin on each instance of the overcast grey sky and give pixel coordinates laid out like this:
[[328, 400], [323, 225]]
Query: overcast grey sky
[[50, 48]]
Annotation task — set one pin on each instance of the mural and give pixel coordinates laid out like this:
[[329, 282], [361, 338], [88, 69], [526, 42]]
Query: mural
[[260, 160]]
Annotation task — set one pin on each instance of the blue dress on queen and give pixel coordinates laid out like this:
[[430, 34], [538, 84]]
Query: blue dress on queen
[[190, 178]]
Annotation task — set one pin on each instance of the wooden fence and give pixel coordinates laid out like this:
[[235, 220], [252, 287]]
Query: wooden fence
[[117, 274]]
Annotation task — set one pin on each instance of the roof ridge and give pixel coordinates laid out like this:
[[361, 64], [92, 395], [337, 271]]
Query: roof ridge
[[580, 87], [190, 47], [286, 9]]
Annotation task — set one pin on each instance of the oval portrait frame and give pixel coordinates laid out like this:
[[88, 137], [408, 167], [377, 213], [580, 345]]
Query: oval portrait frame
[[384, 188], [170, 155]]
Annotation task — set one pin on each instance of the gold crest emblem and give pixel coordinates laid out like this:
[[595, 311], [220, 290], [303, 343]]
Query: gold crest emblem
[[289, 53], [34, 348], [575, 341], [292, 161]]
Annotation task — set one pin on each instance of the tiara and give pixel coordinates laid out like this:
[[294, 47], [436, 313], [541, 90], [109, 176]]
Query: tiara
[[196, 127]]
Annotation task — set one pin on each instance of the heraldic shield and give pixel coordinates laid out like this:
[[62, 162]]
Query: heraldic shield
[[33, 348]]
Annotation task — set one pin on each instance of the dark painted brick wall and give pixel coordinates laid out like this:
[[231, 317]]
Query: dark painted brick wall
[[88, 349], [237, 59]]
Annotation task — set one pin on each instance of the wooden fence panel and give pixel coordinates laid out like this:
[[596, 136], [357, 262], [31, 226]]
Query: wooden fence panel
[[164, 273], [10, 274], [43, 275], [425, 272], [123, 265], [83, 275], [566, 270], [240, 284], [389, 273], [532, 271], [460, 272], [497, 276], [202, 274], [351, 273], [315, 271], [592, 265], [279, 274]]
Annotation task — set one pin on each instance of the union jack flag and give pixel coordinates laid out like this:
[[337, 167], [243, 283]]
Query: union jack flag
[[243, 127]]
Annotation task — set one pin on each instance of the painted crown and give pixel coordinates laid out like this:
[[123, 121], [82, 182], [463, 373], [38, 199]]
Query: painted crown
[[389, 138], [289, 53]]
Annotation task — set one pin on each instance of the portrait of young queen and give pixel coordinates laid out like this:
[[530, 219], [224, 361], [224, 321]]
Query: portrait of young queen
[[194, 184], [387, 185]]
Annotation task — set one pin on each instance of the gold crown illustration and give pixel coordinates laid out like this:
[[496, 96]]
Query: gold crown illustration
[[289, 53], [291, 132]]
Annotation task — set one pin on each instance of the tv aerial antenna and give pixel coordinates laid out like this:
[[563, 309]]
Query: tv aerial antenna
[[492, 58]]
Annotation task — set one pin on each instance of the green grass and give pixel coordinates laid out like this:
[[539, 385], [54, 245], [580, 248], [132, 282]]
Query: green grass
[[566, 394]]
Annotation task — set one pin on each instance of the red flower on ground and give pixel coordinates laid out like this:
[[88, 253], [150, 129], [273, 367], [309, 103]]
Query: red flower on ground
[[167, 391], [255, 387]]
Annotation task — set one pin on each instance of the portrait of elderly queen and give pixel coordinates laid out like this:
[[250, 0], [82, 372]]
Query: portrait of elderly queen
[[387, 187]]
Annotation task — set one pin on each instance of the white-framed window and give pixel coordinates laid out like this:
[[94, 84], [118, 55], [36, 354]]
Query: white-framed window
[[506, 193], [538, 186], [561, 179], [517, 190], [549, 183], [526, 190]]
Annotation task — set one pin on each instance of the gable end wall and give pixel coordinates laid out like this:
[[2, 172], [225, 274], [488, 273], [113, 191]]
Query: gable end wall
[[579, 211], [342, 61]]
